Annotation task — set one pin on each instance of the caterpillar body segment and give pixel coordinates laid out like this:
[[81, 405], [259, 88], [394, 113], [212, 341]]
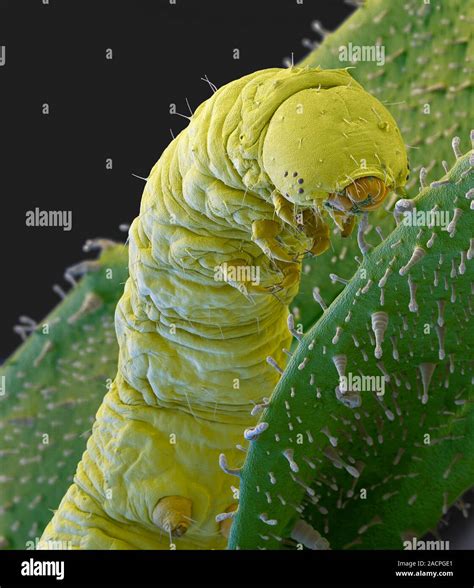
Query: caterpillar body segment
[[227, 214]]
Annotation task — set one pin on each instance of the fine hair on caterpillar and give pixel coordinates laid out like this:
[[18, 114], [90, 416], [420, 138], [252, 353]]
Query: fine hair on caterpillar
[[252, 182]]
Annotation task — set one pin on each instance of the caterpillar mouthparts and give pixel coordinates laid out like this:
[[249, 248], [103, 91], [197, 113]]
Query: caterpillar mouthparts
[[362, 195], [367, 193]]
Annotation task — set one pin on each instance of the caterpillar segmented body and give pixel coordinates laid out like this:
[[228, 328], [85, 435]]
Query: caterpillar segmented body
[[249, 184]]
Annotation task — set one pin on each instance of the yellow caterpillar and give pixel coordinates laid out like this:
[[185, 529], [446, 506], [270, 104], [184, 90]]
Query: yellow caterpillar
[[227, 214]]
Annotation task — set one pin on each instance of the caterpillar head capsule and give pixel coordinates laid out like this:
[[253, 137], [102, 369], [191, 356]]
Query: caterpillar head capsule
[[334, 148]]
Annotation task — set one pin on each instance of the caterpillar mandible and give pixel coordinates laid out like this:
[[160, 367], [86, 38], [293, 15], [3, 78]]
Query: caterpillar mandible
[[250, 183]]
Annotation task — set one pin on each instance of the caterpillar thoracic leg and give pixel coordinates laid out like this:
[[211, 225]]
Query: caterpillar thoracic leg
[[284, 209], [264, 233]]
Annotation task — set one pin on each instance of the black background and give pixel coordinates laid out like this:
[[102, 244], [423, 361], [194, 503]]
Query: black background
[[55, 54]]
